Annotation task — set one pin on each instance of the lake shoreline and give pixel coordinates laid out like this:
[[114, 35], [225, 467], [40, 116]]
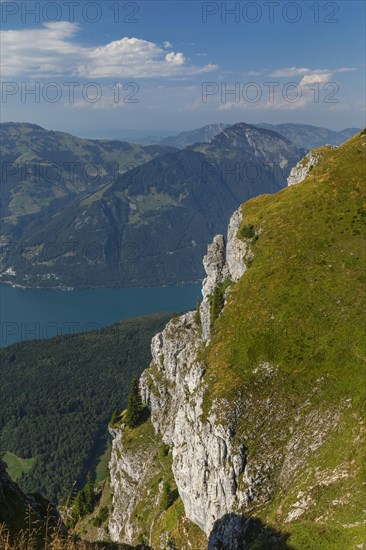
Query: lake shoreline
[[81, 289], [29, 313]]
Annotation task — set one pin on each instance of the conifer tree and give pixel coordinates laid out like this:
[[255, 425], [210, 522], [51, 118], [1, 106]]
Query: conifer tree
[[89, 493], [85, 499], [79, 507], [134, 406]]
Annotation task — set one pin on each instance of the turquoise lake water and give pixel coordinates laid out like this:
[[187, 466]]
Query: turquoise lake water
[[28, 314]]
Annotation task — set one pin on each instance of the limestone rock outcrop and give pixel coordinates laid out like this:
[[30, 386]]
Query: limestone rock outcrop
[[303, 168], [207, 464], [223, 261]]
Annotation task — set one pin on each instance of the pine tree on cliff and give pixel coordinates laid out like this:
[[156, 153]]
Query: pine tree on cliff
[[85, 499], [134, 406], [89, 493]]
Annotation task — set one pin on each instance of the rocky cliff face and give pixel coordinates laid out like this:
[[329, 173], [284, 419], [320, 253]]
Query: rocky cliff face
[[133, 470], [206, 462], [305, 166], [224, 261]]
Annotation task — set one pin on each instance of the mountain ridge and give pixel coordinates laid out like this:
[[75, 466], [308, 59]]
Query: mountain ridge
[[149, 226], [257, 398], [305, 136]]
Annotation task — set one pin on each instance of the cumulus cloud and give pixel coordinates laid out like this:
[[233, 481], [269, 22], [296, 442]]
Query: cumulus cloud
[[175, 58], [53, 51], [312, 78]]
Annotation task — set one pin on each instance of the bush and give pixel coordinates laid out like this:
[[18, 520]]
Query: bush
[[101, 517], [217, 301], [197, 315], [114, 419], [248, 231], [168, 497], [164, 450]]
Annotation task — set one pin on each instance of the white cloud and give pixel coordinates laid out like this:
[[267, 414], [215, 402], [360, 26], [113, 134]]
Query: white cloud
[[34, 50], [167, 44], [290, 71], [175, 58], [52, 51], [347, 70], [254, 73], [300, 71], [313, 78], [287, 96]]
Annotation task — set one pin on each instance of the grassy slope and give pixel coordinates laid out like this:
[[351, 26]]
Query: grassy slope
[[101, 469], [300, 307], [17, 466]]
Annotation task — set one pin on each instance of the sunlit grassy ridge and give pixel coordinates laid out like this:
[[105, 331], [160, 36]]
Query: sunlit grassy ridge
[[300, 308], [300, 303]]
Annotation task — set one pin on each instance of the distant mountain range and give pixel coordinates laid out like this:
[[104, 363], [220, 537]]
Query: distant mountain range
[[302, 135], [108, 213], [201, 135], [309, 137], [142, 227]]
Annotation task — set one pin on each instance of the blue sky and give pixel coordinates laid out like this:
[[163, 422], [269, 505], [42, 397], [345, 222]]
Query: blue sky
[[100, 68]]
